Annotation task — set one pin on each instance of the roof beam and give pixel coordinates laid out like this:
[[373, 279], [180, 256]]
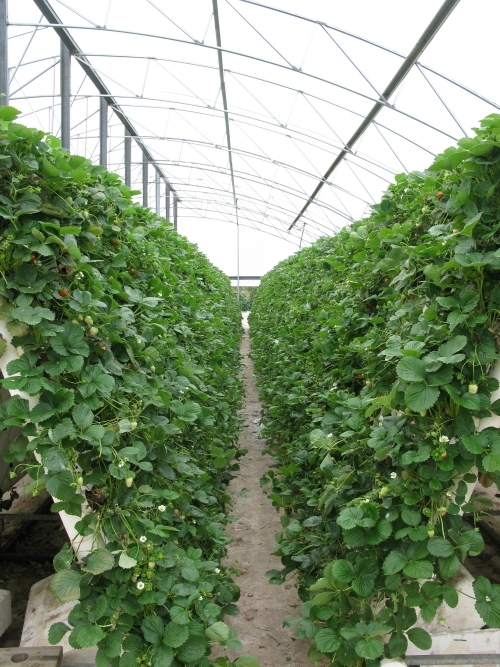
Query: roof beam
[[223, 93], [66, 37], [429, 33]]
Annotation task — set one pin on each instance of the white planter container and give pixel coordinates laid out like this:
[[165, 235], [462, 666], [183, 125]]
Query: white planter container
[[82, 546], [459, 630]]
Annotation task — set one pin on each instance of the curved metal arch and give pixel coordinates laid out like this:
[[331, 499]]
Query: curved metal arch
[[249, 177], [321, 228], [326, 25], [60, 26], [359, 155], [242, 195], [74, 49], [251, 155], [287, 239], [316, 224], [241, 208], [304, 93], [248, 154]]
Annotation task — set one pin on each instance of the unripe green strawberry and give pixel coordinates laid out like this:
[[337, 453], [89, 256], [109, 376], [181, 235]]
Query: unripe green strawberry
[[151, 565], [430, 531], [472, 388], [79, 480], [89, 320], [129, 481], [383, 492], [93, 331], [133, 426]]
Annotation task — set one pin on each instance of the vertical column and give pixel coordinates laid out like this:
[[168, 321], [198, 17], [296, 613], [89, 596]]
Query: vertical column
[[237, 253], [145, 183], [127, 158], [157, 191], [65, 96], [167, 201], [175, 211], [103, 131], [4, 61]]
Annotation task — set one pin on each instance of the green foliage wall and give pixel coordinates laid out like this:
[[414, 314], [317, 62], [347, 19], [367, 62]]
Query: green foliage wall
[[373, 351], [130, 340]]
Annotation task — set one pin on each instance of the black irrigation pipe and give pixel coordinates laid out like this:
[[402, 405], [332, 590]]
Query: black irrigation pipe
[[29, 517], [16, 557], [12, 539]]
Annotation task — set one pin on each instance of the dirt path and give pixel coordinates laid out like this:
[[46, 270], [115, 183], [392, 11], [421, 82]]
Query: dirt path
[[263, 607]]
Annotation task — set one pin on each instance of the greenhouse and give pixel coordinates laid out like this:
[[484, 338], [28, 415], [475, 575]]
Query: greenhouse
[[249, 333]]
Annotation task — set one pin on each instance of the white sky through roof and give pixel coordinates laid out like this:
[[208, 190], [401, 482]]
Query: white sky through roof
[[296, 90]]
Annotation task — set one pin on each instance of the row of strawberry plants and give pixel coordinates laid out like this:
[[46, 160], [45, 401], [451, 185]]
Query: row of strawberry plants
[[373, 351], [129, 341]]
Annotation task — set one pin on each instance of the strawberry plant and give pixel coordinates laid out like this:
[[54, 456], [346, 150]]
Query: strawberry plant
[[126, 390], [374, 351]]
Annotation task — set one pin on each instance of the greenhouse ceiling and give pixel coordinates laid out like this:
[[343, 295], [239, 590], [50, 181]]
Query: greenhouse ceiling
[[265, 125]]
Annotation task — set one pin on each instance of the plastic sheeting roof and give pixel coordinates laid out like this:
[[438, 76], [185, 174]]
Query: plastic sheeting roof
[[299, 80]]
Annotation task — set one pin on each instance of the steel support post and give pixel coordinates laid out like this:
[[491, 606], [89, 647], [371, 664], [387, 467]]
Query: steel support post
[[145, 163], [157, 192], [65, 96], [127, 158], [4, 61], [175, 211], [103, 131], [237, 259], [167, 201]]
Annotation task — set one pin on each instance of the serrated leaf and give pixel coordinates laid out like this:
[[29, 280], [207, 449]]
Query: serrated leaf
[[449, 349], [449, 566], [99, 561], [327, 640], [350, 517], [369, 648], [439, 546], [175, 635], [420, 397], [70, 341], [418, 569], [187, 412], [450, 595], [85, 636], [55, 458], [246, 661], [82, 416], [411, 517], [411, 369], [421, 638], [179, 615], [126, 562], [491, 462], [343, 571], [57, 632], [65, 585], [163, 656], [195, 648], [218, 631], [379, 532], [394, 562], [153, 628]]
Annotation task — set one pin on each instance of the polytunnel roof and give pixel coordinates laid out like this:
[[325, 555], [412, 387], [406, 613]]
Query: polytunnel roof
[[285, 118]]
